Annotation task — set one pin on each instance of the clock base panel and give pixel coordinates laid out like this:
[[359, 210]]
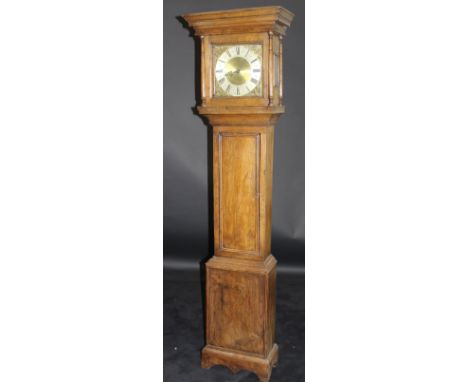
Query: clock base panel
[[236, 361]]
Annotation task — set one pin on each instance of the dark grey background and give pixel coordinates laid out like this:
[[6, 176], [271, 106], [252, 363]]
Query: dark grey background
[[188, 202], [187, 181]]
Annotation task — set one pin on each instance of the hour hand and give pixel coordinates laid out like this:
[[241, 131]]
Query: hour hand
[[237, 71]]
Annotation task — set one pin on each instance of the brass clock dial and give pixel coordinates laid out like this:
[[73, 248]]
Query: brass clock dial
[[238, 70]]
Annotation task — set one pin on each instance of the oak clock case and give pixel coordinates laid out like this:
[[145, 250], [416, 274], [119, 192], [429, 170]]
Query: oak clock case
[[241, 97]]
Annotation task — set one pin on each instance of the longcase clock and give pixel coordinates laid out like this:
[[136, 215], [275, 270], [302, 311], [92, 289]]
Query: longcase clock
[[242, 98]]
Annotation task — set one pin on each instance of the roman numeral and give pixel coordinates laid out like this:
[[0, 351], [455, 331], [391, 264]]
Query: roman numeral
[[222, 61], [253, 61], [228, 87], [221, 80], [229, 54], [238, 50], [256, 70], [246, 53], [219, 71], [254, 80], [238, 91]]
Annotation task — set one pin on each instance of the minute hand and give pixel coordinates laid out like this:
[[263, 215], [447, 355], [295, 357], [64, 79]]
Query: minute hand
[[237, 71]]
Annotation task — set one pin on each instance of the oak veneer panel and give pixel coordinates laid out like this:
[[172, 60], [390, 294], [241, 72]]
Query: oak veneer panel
[[237, 322], [256, 226], [238, 192]]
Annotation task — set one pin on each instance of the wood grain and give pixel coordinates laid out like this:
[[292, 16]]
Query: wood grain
[[240, 313], [237, 320], [239, 187], [245, 20], [235, 361]]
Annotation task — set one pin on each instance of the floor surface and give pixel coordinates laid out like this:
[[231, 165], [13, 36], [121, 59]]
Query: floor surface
[[183, 331]]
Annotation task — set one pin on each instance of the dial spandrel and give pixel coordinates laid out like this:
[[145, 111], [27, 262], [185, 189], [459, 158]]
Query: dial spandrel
[[237, 70]]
